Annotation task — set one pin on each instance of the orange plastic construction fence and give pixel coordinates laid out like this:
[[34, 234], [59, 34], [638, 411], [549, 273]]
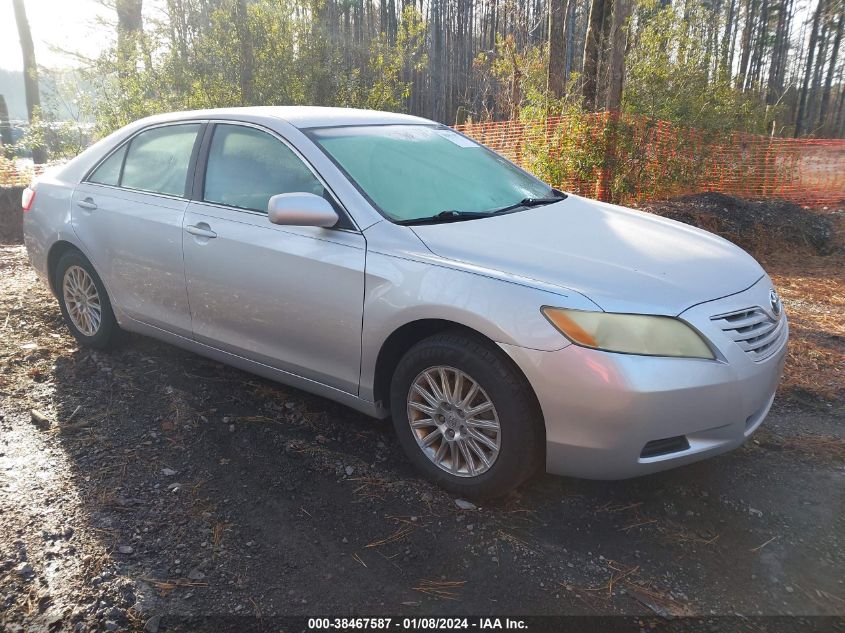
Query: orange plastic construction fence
[[624, 158], [12, 175]]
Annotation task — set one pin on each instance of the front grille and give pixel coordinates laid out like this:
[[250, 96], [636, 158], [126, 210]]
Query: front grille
[[757, 332]]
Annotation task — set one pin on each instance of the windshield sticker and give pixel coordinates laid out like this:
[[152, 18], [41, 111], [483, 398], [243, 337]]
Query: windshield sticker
[[457, 139], [409, 134]]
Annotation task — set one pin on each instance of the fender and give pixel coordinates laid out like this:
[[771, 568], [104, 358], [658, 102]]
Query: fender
[[412, 284]]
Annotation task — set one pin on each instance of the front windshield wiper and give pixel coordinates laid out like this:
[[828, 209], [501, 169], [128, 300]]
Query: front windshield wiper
[[530, 202], [450, 215], [453, 215]]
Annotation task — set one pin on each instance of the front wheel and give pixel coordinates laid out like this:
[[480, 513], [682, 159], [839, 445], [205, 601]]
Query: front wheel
[[465, 416]]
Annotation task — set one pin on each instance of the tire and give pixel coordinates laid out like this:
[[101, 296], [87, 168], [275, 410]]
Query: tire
[[74, 271], [519, 438]]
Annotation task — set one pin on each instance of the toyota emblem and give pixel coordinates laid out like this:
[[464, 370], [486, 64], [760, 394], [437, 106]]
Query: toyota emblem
[[774, 299]]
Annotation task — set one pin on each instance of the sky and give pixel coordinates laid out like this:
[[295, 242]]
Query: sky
[[67, 24]]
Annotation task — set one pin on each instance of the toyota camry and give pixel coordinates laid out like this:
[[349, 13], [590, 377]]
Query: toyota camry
[[394, 265]]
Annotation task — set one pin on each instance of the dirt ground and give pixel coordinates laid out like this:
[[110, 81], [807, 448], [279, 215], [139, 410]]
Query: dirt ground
[[152, 486]]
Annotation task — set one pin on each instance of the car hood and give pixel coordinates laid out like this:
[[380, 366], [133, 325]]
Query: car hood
[[622, 259]]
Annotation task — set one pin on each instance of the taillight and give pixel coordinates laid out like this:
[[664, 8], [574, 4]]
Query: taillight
[[27, 198]]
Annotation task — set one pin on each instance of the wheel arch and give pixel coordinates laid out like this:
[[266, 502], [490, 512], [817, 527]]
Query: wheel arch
[[406, 336], [54, 255]]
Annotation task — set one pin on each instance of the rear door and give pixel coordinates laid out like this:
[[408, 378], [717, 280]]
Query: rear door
[[288, 297], [128, 214]]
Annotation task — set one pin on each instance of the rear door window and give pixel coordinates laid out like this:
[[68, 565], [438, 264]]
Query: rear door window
[[158, 159]]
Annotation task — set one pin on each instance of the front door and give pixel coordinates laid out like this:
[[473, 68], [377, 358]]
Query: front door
[[287, 297]]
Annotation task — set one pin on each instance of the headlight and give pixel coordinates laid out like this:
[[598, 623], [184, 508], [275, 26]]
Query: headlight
[[629, 333]]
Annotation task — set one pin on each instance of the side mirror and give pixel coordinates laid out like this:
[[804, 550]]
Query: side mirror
[[301, 209]]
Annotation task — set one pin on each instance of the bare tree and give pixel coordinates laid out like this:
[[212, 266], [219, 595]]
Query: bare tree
[[808, 71], [746, 41], [828, 83], [616, 63], [247, 63], [727, 40], [5, 127], [30, 72], [558, 10], [599, 14], [780, 51]]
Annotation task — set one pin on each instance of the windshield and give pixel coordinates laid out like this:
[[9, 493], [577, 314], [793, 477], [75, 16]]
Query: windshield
[[411, 172]]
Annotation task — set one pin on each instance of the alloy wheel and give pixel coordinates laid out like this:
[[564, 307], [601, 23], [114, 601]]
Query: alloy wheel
[[82, 300], [454, 421]]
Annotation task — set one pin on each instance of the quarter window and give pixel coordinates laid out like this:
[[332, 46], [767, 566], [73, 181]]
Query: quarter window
[[246, 167], [108, 173], [158, 159]]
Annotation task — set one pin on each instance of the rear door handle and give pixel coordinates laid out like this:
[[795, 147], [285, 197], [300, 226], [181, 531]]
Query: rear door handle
[[200, 230], [87, 203]]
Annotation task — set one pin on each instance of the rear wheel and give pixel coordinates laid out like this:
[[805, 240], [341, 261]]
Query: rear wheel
[[85, 305], [465, 416]]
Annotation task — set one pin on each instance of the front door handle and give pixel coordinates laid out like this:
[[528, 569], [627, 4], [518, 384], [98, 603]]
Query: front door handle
[[87, 203], [200, 230]]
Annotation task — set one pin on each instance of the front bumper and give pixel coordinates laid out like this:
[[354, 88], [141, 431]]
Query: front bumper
[[603, 409]]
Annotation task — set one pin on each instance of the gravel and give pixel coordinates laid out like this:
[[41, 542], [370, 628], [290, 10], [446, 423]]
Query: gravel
[[463, 504]]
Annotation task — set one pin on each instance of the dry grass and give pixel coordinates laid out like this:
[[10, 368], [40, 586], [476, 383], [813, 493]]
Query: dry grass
[[370, 488], [643, 591], [813, 292], [821, 447], [824, 447], [803, 250], [164, 587], [442, 589], [218, 532], [398, 535]]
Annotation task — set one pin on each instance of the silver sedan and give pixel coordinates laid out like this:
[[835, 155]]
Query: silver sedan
[[393, 265]]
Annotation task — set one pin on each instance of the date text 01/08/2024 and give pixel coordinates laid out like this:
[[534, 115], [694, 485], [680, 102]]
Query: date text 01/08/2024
[[409, 624]]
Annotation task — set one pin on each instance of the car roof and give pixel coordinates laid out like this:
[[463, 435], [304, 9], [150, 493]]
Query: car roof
[[301, 116], [298, 116]]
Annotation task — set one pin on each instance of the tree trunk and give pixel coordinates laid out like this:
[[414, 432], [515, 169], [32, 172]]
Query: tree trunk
[[753, 77], [30, 73], [808, 71], [569, 34], [592, 52], [604, 40], [5, 127], [616, 64], [129, 30], [246, 77], [816, 84], [774, 84], [557, 47], [725, 65], [748, 27], [828, 83], [839, 125], [392, 24], [437, 83], [516, 81], [711, 54]]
